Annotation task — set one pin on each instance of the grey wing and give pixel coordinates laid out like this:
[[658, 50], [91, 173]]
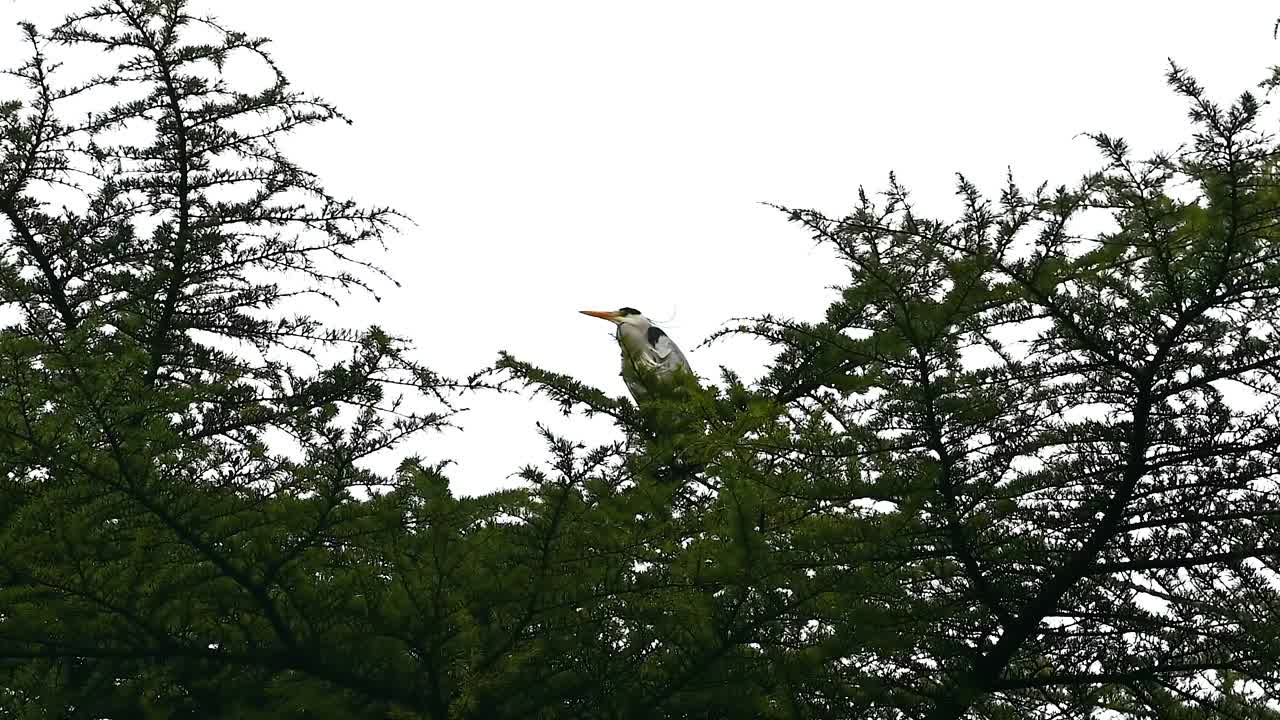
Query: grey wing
[[668, 355], [637, 389]]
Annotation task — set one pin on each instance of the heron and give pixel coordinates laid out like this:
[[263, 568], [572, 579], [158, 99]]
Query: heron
[[650, 359]]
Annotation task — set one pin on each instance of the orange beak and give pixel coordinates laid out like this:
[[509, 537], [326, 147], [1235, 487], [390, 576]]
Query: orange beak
[[603, 314]]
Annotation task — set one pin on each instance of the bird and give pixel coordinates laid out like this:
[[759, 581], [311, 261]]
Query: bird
[[650, 358]]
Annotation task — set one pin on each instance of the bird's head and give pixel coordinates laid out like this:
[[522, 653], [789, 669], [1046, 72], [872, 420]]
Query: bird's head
[[621, 316]]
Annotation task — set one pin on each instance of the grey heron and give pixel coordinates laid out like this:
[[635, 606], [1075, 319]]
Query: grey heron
[[649, 357]]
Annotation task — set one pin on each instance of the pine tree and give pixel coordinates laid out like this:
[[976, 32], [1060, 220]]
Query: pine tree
[[182, 454], [1071, 434]]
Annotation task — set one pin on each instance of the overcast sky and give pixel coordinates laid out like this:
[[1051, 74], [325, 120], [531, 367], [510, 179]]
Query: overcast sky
[[557, 156]]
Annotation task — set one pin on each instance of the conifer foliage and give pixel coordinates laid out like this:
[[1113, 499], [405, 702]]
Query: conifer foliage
[[1025, 467]]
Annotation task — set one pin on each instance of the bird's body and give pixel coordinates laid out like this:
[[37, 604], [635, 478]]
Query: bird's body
[[650, 358]]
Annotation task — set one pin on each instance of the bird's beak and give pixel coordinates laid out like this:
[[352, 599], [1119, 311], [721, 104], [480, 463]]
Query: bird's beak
[[603, 315]]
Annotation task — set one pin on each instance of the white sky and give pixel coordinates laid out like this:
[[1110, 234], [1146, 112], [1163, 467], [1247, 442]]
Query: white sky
[[566, 155]]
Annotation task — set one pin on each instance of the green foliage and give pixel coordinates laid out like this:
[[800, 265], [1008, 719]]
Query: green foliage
[[1009, 475]]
